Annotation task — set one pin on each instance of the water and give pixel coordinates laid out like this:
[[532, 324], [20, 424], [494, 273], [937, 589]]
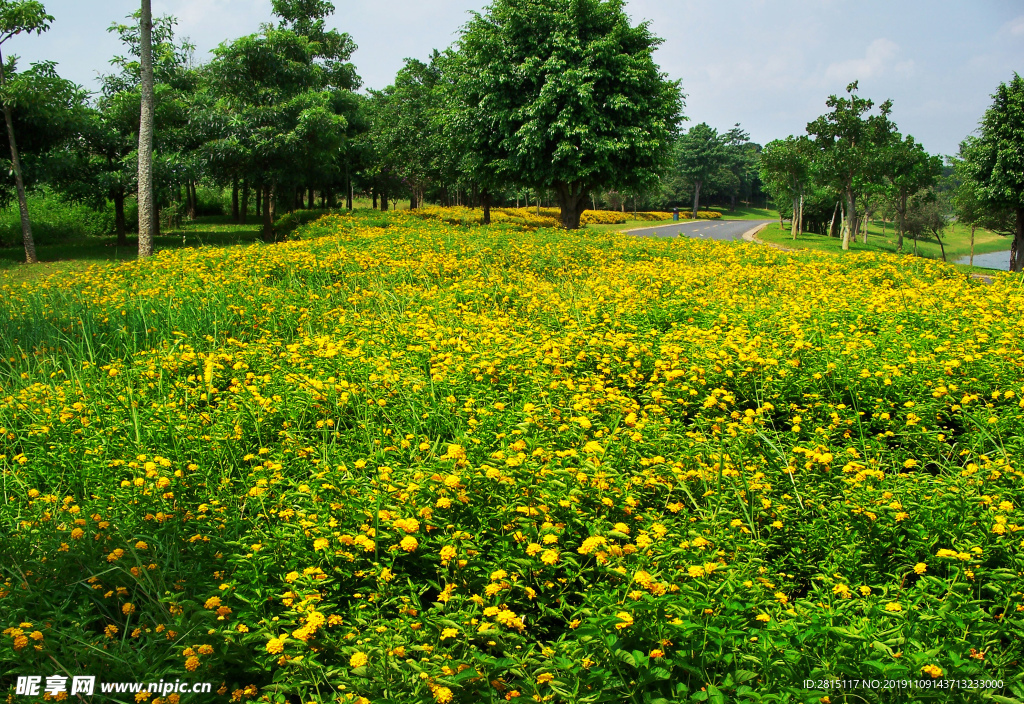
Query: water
[[993, 260]]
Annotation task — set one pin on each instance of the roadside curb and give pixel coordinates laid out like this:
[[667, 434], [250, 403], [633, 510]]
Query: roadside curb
[[751, 234]]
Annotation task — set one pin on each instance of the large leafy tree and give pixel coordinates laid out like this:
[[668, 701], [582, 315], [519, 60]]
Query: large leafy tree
[[563, 94], [700, 154], [17, 16], [786, 170], [993, 163], [905, 168], [286, 100], [406, 129], [848, 140]]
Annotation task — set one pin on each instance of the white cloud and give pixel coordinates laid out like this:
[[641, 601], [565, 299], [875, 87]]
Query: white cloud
[[880, 58], [1015, 27]]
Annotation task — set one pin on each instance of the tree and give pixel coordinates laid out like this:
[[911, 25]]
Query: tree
[[286, 102], [785, 170], [993, 162], [563, 94], [906, 169], [847, 142], [17, 16], [700, 153], [926, 215], [147, 211]]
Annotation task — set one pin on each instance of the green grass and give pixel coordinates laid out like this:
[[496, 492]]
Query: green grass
[[956, 239], [743, 213]]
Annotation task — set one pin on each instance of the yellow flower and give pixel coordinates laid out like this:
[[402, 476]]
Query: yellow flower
[[625, 620], [934, 670], [764, 618], [275, 646], [447, 554], [544, 678], [358, 660], [128, 608], [442, 695], [192, 664], [449, 633], [549, 557], [212, 603], [894, 607], [920, 568], [409, 543], [321, 544]]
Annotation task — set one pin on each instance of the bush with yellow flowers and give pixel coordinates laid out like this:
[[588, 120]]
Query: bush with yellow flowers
[[399, 459]]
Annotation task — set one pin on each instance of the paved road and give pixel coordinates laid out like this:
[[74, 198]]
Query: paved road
[[703, 229]]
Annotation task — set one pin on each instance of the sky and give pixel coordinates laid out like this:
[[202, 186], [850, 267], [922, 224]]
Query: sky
[[768, 65]]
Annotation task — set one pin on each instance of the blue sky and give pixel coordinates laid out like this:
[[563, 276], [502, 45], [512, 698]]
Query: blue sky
[[769, 65]]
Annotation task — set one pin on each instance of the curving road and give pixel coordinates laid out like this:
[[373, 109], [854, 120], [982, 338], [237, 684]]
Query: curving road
[[727, 230]]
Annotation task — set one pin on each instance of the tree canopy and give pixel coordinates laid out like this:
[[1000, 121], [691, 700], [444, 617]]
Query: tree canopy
[[564, 94]]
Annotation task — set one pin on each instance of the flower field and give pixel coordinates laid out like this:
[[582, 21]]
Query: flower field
[[400, 460]]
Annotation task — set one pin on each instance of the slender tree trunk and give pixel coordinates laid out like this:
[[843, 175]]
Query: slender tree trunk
[[1017, 249], [851, 219], [832, 225], [259, 201], [867, 221], [268, 217], [942, 246], [383, 201], [234, 200], [793, 221], [901, 218], [26, 224], [311, 199], [373, 193], [972, 244], [696, 198], [349, 194], [572, 200], [800, 225], [412, 200], [120, 226], [244, 209], [147, 207], [193, 200]]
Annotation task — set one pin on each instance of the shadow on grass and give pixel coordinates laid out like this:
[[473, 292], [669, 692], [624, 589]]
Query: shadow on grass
[[216, 231]]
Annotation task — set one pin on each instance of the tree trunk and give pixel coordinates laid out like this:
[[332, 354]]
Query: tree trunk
[[147, 207], [696, 198], [383, 201], [120, 226], [26, 224], [572, 201], [832, 225], [793, 221], [412, 200], [851, 219], [972, 244], [800, 227], [373, 193], [349, 194], [941, 245], [485, 200], [1017, 249], [901, 217], [311, 199], [259, 201], [234, 200], [193, 199], [244, 209], [268, 218], [867, 221]]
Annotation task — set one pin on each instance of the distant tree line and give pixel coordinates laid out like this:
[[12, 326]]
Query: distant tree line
[[853, 164], [554, 102]]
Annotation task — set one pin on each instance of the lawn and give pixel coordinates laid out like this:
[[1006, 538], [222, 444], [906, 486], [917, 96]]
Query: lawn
[[956, 239], [400, 460]]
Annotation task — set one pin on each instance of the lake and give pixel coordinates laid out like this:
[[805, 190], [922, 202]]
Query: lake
[[992, 260]]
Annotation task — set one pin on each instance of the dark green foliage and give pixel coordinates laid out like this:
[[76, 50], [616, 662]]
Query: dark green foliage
[[562, 94]]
